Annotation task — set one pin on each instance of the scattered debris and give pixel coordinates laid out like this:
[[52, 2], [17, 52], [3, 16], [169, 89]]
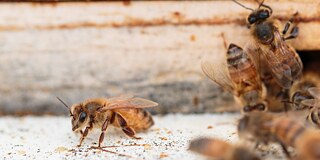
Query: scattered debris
[[163, 155], [61, 149]]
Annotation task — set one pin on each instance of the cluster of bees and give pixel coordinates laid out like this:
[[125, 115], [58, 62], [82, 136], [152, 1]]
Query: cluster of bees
[[264, 76]]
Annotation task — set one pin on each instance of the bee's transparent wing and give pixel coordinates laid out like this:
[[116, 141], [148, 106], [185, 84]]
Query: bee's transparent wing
[[120, 97], [284, 74], [309, 102], [217, 71], [280, 71], [315, 92], [129, 103], [254, 53]]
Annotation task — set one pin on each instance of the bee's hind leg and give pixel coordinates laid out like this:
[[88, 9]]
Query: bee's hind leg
[[125, 128]]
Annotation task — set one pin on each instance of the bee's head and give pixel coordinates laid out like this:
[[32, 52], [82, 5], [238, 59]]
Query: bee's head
[[260, 14], [298, 97], [78, 114], [256, 107], [80, 117]]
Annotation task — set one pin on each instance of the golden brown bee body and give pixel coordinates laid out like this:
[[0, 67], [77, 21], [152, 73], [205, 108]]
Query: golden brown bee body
[[219, 149], [125, 112], [284, 62], [138, 119], [239, 76], [266, 127]]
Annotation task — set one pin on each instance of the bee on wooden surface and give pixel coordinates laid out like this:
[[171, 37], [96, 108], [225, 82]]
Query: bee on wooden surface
[[239, 76], [218, 149], [283, 61], [264, 128], [125, 112]]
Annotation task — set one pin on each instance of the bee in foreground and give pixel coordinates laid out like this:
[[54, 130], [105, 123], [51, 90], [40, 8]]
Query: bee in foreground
[[239, 76], [125, 112], [264, 128], [283, 61], [218, 149]]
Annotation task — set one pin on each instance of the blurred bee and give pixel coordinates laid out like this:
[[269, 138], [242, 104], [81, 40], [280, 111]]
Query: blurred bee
[[311, 100], [239, 76], [283, 61], [299, 90], [218, 149], [125, 112], [264, 128]]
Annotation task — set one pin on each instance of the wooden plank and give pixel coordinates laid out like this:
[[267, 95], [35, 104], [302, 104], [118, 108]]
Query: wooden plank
[[151, 49]]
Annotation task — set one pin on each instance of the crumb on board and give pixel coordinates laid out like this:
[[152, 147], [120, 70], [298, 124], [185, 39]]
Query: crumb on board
[[164, 138], [61, 149], [163, 155]]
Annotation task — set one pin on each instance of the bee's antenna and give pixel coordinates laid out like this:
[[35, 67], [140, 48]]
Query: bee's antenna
[[65, 106], [260, 3], [263, 5], [243, 5]]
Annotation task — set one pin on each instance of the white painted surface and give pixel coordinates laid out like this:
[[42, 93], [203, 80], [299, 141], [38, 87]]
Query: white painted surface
[[51, 138]]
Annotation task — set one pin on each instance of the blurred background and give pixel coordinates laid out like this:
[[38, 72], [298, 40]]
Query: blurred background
[[152, 49]]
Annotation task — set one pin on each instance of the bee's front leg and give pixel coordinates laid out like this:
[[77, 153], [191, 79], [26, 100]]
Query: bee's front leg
[[85, 133], [103, 130], [294, 30]]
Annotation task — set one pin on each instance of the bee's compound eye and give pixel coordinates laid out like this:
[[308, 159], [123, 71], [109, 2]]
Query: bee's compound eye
[[261, 107], [264, 14], [246, 108], [252, 19], [82, 116]]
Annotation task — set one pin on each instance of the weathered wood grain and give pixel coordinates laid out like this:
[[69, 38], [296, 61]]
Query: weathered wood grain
[[151, 49]]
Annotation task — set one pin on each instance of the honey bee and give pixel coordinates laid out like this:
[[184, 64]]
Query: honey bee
[[266, 127], [299, 90], [314, 105], [124, 111], [283, 61], [219, 149], [239, 76], [305, 96]]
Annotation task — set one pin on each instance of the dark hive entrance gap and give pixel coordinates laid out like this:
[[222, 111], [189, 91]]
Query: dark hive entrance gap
[[310, 60]]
